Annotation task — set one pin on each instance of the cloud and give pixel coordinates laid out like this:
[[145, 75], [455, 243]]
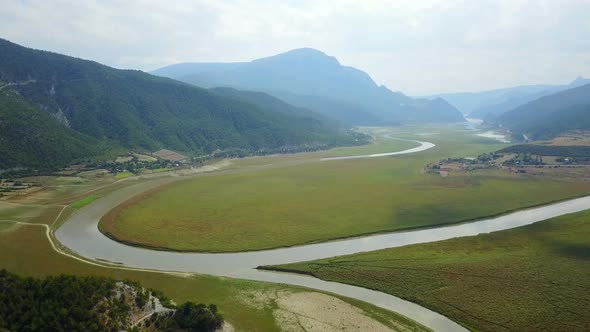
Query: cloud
[[418, 47]]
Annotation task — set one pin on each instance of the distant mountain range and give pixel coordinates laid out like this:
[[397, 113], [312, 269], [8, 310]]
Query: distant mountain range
[[56, 109], [309, 78], [549, 116], [484, 104]]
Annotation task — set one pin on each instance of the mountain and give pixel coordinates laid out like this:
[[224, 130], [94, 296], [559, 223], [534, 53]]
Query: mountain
[[479, 105], [346, 113], [179, 70], [29, 136], [267, 102], [312, 78], [135, 110], [550, 115]]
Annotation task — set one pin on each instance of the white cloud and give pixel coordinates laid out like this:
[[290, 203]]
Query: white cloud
[[417, 47]]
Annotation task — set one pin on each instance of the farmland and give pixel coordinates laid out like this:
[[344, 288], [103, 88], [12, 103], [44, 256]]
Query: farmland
[[530, 278], [312, 201]]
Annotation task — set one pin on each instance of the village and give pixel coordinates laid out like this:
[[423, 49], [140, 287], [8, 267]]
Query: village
[[23, 182], [533, 159]]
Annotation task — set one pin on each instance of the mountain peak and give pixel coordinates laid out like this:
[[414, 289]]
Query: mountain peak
[[301, 55], [580, 80], [306, 51]]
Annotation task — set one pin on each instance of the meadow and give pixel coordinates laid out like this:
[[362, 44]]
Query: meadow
[[249, 306], [305, 201], [84, 201], [531, 278]]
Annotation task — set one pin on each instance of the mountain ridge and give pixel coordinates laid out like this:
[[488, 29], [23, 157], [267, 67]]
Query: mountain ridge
[[493, 102], [306, 73], [135, 110], [550, 115]]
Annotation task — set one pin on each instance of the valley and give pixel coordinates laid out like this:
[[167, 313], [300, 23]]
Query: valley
[[503, 281], [255, 166], [317, 201], [454, 140]]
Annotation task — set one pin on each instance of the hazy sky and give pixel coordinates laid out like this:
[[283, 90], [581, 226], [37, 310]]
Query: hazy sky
[[417, 47]]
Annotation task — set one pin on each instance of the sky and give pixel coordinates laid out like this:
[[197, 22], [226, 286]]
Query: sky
[[417, 47]]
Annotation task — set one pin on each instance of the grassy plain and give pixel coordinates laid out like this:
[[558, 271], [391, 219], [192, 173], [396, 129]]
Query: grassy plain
[[84, 201], [122, 175], [316, 201], [247, 305], [532, 278]]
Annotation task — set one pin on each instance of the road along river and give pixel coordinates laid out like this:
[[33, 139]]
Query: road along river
[[80, 234]]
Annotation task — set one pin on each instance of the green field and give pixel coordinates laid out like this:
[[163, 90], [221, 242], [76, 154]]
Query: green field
[[533, 278], [84, 201], [7, 226], [317, 201], [122, 175], [249, 306]]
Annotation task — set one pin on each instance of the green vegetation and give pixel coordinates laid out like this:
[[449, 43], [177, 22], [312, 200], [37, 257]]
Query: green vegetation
[[72, 303], [84, 201], [62, 303], [317, 201], [29, 136], [160, 170], [6, 226], [113, 109], [122, 175], [532, 278], [27, 252], [551, 115], [198, 317], [580, 151]]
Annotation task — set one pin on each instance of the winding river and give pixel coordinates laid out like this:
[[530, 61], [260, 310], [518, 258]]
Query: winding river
[[81, 235]]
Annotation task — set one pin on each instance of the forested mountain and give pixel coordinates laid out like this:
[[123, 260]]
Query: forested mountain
[[267, 102], [179, 70], [134, 110], [346, 113], [306, 75], [551, 115], [29, 136], [480, 105]]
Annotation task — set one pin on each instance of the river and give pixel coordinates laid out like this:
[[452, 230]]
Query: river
[[81, 235]]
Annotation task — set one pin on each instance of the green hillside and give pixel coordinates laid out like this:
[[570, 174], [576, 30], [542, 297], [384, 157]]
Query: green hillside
[[551, 115], [31, 137], [135, 110]]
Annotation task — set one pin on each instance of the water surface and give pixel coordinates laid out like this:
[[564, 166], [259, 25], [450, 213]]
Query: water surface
[[81, 235]]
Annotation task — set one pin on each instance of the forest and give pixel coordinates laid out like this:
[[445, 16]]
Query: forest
[[74, 303]]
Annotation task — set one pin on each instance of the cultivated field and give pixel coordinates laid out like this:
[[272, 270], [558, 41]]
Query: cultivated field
[[312, 201], [531, 278]]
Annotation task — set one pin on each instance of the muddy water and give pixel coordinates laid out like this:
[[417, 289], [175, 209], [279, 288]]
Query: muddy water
[[81, 235]]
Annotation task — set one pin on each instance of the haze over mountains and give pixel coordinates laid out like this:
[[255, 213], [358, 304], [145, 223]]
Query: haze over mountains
[[480, 105], [309, 78], [550, 115], [55, 109]]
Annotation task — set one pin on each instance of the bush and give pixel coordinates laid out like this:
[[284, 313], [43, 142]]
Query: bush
[[198, 317]]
